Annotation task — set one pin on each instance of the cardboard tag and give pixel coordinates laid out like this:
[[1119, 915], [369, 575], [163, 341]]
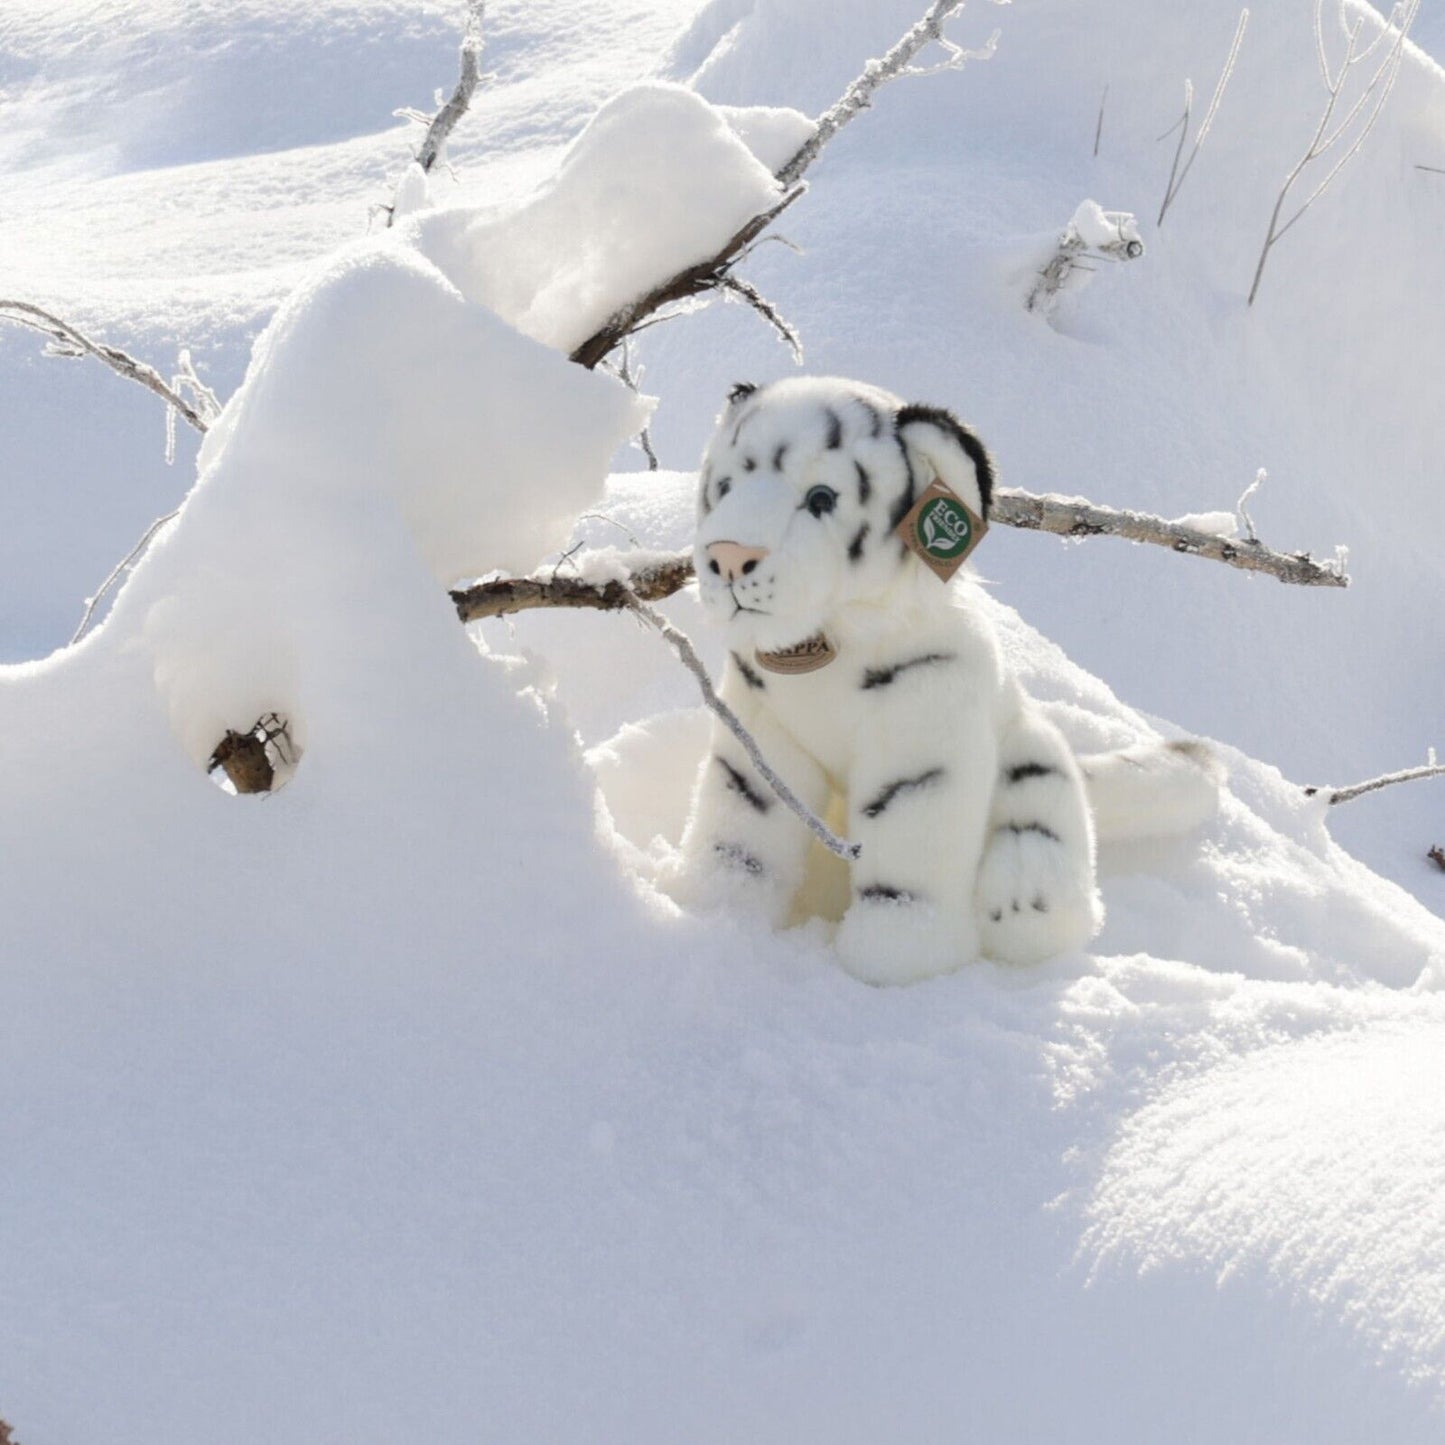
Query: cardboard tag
[[941, 529], [806, 656]]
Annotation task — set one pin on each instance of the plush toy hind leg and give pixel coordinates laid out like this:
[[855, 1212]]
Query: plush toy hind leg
[[1036, 894], [743, 847]]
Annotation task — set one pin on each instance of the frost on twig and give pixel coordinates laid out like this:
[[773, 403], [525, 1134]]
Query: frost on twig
[[119, 570], [1359, 119], [66, 340], [751, 296], [1094, 235], [682, 645], [1246, 522], [411, 191], [710, 275], [1432, 769], [876, 73], [1177, 173]]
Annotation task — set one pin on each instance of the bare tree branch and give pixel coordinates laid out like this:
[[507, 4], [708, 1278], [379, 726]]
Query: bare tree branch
[[68, 341], [1099, 125], [682, 645], [657, 576], [1074, 517], [653, 576], [1358, 790], [444, 121], [898, 62]]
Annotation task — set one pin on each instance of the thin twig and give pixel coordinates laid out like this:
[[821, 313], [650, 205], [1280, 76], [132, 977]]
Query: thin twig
[[751, 296], [1434, 170], [876, 73], [1410, 775], [682, 645], [1099, 126], [1379, 85], [1176, 175], [131, 557], [74, 342]]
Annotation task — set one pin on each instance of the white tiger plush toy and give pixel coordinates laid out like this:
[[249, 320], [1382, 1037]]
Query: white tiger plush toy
[[864, 677]]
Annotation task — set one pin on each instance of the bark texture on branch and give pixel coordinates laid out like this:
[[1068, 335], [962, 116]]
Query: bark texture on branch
[[696, 280], [651, 581], [1358, 790], [656, 577], [1075, 517]]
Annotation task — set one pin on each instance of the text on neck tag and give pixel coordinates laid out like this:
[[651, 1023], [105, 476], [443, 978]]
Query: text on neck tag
[[806, 656]]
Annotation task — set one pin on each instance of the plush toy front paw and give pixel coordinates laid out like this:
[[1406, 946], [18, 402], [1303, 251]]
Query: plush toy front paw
[[1033, 900], [898, 940]]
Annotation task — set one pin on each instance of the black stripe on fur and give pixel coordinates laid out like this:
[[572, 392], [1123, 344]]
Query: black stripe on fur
[[855, 547], [1023, 771], [1039, 828], [901, 785], [835, 430], [885, 893], [749, 676], [883, 676], [738, 783], [865, 484], [736, 856]]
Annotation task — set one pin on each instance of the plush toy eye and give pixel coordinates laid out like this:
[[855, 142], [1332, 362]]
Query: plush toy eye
[[820, 499]]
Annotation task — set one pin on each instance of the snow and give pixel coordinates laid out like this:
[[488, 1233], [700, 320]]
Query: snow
[[397, 1101]]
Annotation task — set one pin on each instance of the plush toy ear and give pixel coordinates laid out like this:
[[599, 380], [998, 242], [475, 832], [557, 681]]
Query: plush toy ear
[[941, 443], [741, 391]]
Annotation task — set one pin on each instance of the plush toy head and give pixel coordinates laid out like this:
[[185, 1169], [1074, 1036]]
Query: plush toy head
[[800, 491]]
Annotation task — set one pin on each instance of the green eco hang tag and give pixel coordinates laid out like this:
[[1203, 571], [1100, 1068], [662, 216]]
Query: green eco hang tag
[[941, 529]]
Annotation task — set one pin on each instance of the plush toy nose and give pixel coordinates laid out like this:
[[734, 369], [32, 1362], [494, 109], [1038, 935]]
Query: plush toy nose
[[732, 560]]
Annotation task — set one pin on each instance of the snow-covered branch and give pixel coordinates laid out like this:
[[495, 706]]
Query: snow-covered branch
[[66, 340], [1358, 790], [713, 273]]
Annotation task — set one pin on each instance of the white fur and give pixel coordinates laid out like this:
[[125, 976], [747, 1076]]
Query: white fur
[[976, 832]]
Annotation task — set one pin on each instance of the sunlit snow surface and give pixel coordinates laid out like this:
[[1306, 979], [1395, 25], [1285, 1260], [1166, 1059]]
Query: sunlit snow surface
[[395, 1104]]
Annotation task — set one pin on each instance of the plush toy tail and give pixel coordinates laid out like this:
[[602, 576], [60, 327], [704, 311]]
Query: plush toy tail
[[1152, 790]]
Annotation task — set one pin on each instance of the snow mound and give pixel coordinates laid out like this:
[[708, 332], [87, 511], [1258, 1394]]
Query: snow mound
[[657, 181]]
